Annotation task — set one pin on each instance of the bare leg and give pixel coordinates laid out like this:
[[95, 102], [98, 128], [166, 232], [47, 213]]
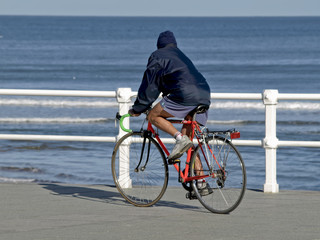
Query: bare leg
[[187, 130], [157, 116]]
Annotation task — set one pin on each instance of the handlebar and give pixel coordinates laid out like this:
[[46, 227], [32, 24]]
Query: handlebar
[[121, 118]]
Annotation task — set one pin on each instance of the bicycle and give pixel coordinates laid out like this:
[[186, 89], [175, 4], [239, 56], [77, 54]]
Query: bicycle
[[142, 178]]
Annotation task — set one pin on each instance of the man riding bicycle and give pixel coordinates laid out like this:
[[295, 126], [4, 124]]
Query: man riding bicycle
[[171, 72]]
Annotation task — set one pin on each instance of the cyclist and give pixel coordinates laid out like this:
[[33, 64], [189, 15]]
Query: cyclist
[[171, 72]]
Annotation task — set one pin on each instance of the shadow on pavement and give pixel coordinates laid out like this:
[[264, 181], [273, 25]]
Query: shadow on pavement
[[88, 193], [110, 197]]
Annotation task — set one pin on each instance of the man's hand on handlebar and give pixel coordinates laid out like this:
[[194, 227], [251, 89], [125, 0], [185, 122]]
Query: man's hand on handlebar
[[133, 114]]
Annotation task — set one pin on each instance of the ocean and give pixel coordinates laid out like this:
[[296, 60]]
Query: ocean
[[240, 55]]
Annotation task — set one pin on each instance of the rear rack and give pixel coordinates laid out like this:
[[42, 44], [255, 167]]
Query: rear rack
[[232, 133]]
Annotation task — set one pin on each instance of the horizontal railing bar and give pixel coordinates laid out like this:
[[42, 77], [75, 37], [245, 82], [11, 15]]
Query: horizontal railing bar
[[245, 96], [24, 137], [259, 143], [58, 93], [289, 96], [235, 142], [255, 143], [315, 144], [258, 96]]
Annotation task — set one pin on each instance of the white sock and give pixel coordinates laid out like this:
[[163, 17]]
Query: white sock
[[178, 136]]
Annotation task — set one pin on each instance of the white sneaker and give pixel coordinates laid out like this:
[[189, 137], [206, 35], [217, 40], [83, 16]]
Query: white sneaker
[[181, 146]]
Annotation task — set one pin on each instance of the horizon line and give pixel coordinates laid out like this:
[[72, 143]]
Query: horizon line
[[157, 16]]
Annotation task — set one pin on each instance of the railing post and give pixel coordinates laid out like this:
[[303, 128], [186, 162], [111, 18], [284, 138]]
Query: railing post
[[270, 142], [124, 100]]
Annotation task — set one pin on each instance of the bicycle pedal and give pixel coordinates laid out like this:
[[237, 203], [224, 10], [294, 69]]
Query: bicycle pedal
[[191, 196], [170, 161]]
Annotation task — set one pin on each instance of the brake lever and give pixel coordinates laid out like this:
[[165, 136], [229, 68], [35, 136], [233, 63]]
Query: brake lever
[[118, 116]]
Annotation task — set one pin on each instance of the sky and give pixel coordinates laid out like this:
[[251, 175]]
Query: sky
[[161, 7]]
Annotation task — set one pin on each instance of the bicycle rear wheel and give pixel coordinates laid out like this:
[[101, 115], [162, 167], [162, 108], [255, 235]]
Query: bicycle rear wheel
[[225, 173], [142, 177]]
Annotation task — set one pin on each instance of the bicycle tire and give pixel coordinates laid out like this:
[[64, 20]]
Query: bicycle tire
[[145, 185], [228, 186]]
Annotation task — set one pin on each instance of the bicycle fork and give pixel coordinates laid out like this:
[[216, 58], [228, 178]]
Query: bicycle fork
[[146, 135]]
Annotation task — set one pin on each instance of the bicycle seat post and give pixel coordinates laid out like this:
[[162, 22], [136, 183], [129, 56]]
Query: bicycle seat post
[[197, 110]]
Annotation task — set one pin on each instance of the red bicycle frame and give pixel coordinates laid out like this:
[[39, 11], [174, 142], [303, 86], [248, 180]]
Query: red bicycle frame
[[183, 175]]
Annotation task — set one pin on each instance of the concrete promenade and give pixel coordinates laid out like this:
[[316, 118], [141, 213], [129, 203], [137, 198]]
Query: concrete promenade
[[62, 211]]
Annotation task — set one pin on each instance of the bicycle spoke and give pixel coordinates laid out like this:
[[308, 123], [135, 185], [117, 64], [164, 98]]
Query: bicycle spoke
[[144, 179], [229, 179]]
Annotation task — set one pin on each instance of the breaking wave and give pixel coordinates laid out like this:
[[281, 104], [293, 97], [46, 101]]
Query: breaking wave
[[249, 122], [260, 106], [111, 120], [16, 180], [233, 122], [22, 169], [43, 146], [56, 103], [54, 120]]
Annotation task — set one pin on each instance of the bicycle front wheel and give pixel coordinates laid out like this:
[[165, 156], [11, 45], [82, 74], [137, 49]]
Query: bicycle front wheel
[[224, 173], [139, 169]]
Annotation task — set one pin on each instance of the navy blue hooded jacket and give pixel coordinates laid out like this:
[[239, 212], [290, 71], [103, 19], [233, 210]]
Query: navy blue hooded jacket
[[170, 71]]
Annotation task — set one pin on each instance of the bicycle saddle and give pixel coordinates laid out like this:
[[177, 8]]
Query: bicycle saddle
[[199, 109]]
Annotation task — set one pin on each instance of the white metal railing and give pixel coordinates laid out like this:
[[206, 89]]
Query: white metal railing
[[270, 143]]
